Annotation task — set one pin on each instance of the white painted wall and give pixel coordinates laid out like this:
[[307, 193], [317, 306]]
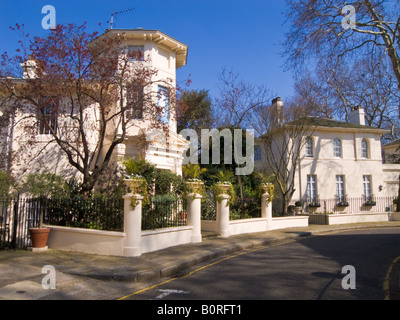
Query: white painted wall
[[86, 240], [334, 219], [391, 174], [255, 225], [325, 166], [164, 238], [289, 222]]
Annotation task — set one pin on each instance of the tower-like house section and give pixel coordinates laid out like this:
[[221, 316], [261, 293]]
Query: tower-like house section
[[154, 137], [161, 145]]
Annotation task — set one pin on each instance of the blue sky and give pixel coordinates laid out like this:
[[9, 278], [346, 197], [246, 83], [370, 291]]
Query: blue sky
[[244, 36]]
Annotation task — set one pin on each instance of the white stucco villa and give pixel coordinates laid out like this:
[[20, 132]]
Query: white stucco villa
[[340, 168], [162, 53]]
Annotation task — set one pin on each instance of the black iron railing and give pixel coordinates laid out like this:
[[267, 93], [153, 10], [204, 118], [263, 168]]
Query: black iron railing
[[164, 212], [93, 213], [19, 214], [346, 204]]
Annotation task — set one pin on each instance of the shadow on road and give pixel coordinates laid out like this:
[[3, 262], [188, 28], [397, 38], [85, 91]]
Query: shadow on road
[[371, 252]]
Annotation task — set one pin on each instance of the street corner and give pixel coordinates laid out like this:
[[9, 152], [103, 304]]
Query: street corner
[[391, 285], [24, 290]]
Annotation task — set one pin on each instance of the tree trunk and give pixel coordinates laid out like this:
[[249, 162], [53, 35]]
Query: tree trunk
[[398, 199], [241, 192], [285, 204]]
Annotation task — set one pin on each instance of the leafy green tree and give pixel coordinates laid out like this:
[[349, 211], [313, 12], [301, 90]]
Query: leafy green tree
[[140, 167], [167, 182], [192, 171], [194, 111], [46, 185], [6, 183]]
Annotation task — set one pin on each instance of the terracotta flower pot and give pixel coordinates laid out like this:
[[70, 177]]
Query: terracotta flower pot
[[39, 237]]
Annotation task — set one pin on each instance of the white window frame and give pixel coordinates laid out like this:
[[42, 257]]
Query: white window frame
[[312, 193], [309, 147], [340, 187], [364, 149], [163, 102], [337, 148], [367, 187]]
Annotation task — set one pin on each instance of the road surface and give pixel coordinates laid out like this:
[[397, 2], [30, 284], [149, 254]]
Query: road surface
[[352, 265]]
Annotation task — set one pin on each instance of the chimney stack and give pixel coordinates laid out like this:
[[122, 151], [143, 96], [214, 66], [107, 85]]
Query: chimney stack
[[276, 110], [29, 68], [357, 116]]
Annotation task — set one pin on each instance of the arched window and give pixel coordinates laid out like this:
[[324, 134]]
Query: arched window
[[364, 149], [337, 148], [309, 147], [47, 116]]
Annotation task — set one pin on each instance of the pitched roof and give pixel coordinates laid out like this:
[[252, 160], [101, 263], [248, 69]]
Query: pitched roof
[[158, 36], [391, 144], [330, 123]]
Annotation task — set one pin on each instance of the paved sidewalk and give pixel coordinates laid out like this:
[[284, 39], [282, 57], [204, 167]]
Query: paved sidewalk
[[21, 270], [23, 266]]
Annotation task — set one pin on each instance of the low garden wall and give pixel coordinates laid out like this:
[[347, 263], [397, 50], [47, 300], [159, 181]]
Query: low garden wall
[[112, 243], [133, 241], [86, 240], [243, 226], [135, 238], [153, 240], [247, 226], [289, 222], [236, 227], [332, 219], [394, 216]]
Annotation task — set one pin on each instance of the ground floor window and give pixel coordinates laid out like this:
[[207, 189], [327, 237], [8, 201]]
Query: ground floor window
[[311, 188], [340, 192], [367, 187]]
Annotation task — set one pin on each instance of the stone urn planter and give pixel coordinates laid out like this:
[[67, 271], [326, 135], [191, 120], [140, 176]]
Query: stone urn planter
[[268, 189], [138, 186], [224, 187], [195, 186], [134, 184], [298, 207]]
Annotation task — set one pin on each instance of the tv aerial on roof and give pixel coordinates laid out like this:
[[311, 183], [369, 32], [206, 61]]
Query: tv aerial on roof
[[115, 13]]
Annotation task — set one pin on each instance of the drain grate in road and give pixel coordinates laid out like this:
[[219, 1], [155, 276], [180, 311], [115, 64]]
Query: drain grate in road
[[180, 275]]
